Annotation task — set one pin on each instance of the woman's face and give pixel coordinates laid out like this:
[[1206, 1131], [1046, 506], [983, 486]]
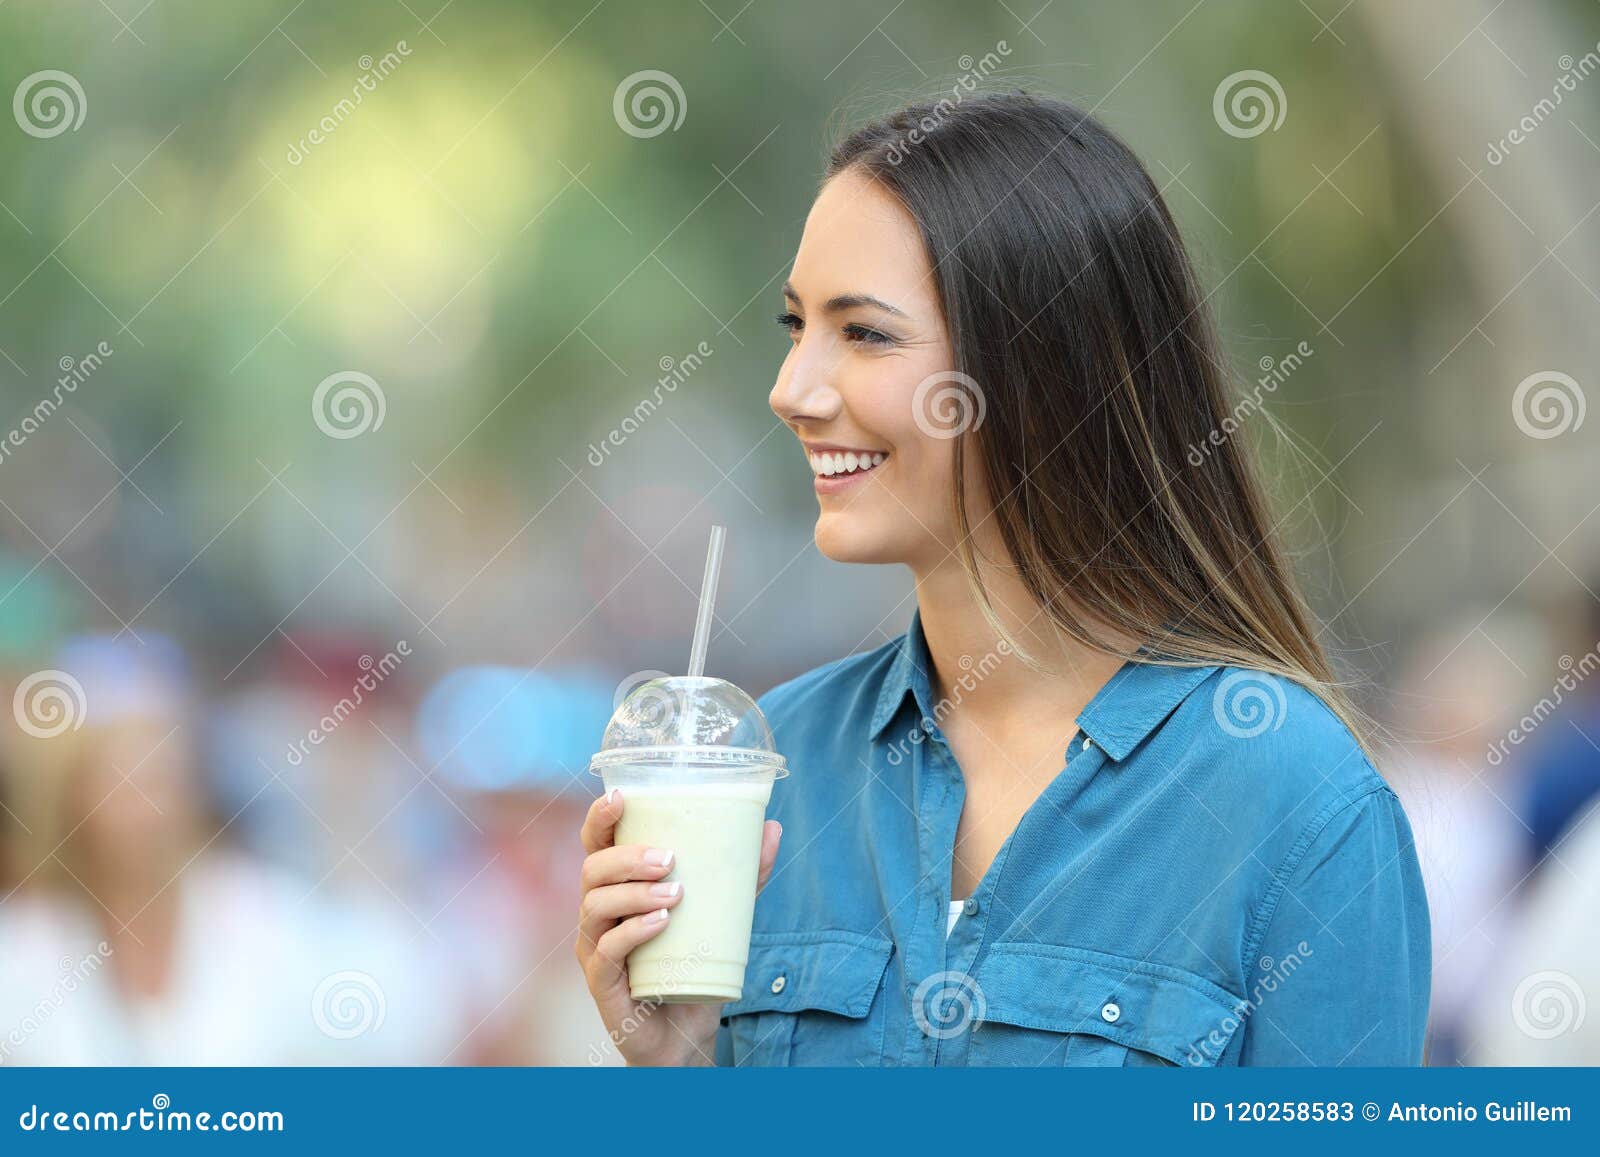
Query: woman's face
[[864, 318]]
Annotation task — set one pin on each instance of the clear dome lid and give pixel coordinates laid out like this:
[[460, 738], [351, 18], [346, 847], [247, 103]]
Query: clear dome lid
[[691, 721]]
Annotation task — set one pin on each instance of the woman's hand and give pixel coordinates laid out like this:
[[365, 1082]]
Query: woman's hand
[[623, 905]]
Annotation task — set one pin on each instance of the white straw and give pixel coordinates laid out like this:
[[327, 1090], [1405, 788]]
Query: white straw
[[708, 598]]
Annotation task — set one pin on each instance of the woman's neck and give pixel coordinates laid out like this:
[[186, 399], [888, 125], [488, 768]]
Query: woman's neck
[[997, 689]]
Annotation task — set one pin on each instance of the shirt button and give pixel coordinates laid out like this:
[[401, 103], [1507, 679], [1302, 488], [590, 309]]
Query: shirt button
[[1087, 743], [970, 907], [1110, 1013], [779, 984]]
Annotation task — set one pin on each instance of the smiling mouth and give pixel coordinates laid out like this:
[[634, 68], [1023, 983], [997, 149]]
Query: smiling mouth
[[844, 463]]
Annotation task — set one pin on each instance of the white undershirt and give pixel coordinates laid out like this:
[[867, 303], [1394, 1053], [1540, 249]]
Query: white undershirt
[[956, 908]]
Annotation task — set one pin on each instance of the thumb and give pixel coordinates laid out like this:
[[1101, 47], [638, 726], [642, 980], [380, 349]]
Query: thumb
[[771, 833]]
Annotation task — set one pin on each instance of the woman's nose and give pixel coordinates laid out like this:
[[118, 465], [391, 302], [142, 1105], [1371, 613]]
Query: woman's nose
[[804, 392]]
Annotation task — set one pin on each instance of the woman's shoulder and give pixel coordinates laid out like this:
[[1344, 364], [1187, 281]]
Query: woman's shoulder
[[1267, 745]]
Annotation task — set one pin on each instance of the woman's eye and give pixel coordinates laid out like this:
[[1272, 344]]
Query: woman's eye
[[866, 335], [790, 322]]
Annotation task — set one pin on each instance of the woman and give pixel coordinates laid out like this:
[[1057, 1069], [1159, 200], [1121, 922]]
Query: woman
[[1103, 803]]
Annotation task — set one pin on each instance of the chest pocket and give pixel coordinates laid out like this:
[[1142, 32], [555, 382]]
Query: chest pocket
[[1046, 1004], [810, 998]]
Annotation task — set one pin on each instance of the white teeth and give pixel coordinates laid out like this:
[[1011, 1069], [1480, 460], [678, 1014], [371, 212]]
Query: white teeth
[[829, 463]]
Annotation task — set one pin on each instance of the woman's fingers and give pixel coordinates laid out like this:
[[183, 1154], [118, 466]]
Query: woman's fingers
[[603, 907], [771, 833], [620, 864], [600, 822], [608, 964]]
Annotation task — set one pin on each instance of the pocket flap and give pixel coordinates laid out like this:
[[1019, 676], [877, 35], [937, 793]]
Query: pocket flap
[[833, 971], [1154, 1008]]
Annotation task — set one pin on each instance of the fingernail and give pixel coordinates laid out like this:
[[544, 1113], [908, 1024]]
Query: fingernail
[[656, 917], [657, 858], [613, 796], [666, 889], [780, 828]]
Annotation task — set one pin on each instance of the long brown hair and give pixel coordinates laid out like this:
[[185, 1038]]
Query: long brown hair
[[1127, 505]]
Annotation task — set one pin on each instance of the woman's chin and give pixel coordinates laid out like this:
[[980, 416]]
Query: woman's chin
[[844, 537]]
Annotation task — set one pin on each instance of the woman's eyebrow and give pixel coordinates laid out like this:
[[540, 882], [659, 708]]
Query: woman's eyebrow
[[844, 301]]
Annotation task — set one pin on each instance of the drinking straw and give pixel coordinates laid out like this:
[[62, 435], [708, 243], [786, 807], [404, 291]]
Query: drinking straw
[[708, 598]]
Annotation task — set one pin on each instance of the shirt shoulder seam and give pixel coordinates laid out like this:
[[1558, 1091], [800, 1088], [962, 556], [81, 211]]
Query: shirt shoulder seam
[[1296, 854]]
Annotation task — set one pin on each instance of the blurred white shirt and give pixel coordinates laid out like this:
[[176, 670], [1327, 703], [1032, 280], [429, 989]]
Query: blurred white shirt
[[261, 975]]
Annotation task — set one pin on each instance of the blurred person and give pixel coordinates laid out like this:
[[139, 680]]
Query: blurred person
[[136, 937], [1560, 762], [1451, 707], [1106, 794], [1534, 1009], [510, 741]]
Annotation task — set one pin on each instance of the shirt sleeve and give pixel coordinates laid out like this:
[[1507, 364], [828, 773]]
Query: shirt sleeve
[[1342, 971]]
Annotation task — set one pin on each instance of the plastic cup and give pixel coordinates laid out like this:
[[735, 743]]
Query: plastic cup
[[695, 762]]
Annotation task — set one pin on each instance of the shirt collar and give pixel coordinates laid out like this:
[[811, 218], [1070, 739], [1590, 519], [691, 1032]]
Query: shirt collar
[[1122, 714]]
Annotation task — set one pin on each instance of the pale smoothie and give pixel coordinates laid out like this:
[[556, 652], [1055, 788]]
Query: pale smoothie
[[714, 831]]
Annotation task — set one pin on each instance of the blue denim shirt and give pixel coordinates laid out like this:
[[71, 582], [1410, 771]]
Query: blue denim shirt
[[1217, 875]]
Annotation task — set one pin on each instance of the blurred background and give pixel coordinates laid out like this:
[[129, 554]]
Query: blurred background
[[371, 374]]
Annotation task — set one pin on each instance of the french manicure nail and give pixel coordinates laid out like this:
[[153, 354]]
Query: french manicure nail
[[658, 858], [613, 796], [666, 889], [657, 916]]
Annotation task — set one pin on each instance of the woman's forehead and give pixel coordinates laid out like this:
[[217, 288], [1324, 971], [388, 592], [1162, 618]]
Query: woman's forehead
[[859, 239]]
